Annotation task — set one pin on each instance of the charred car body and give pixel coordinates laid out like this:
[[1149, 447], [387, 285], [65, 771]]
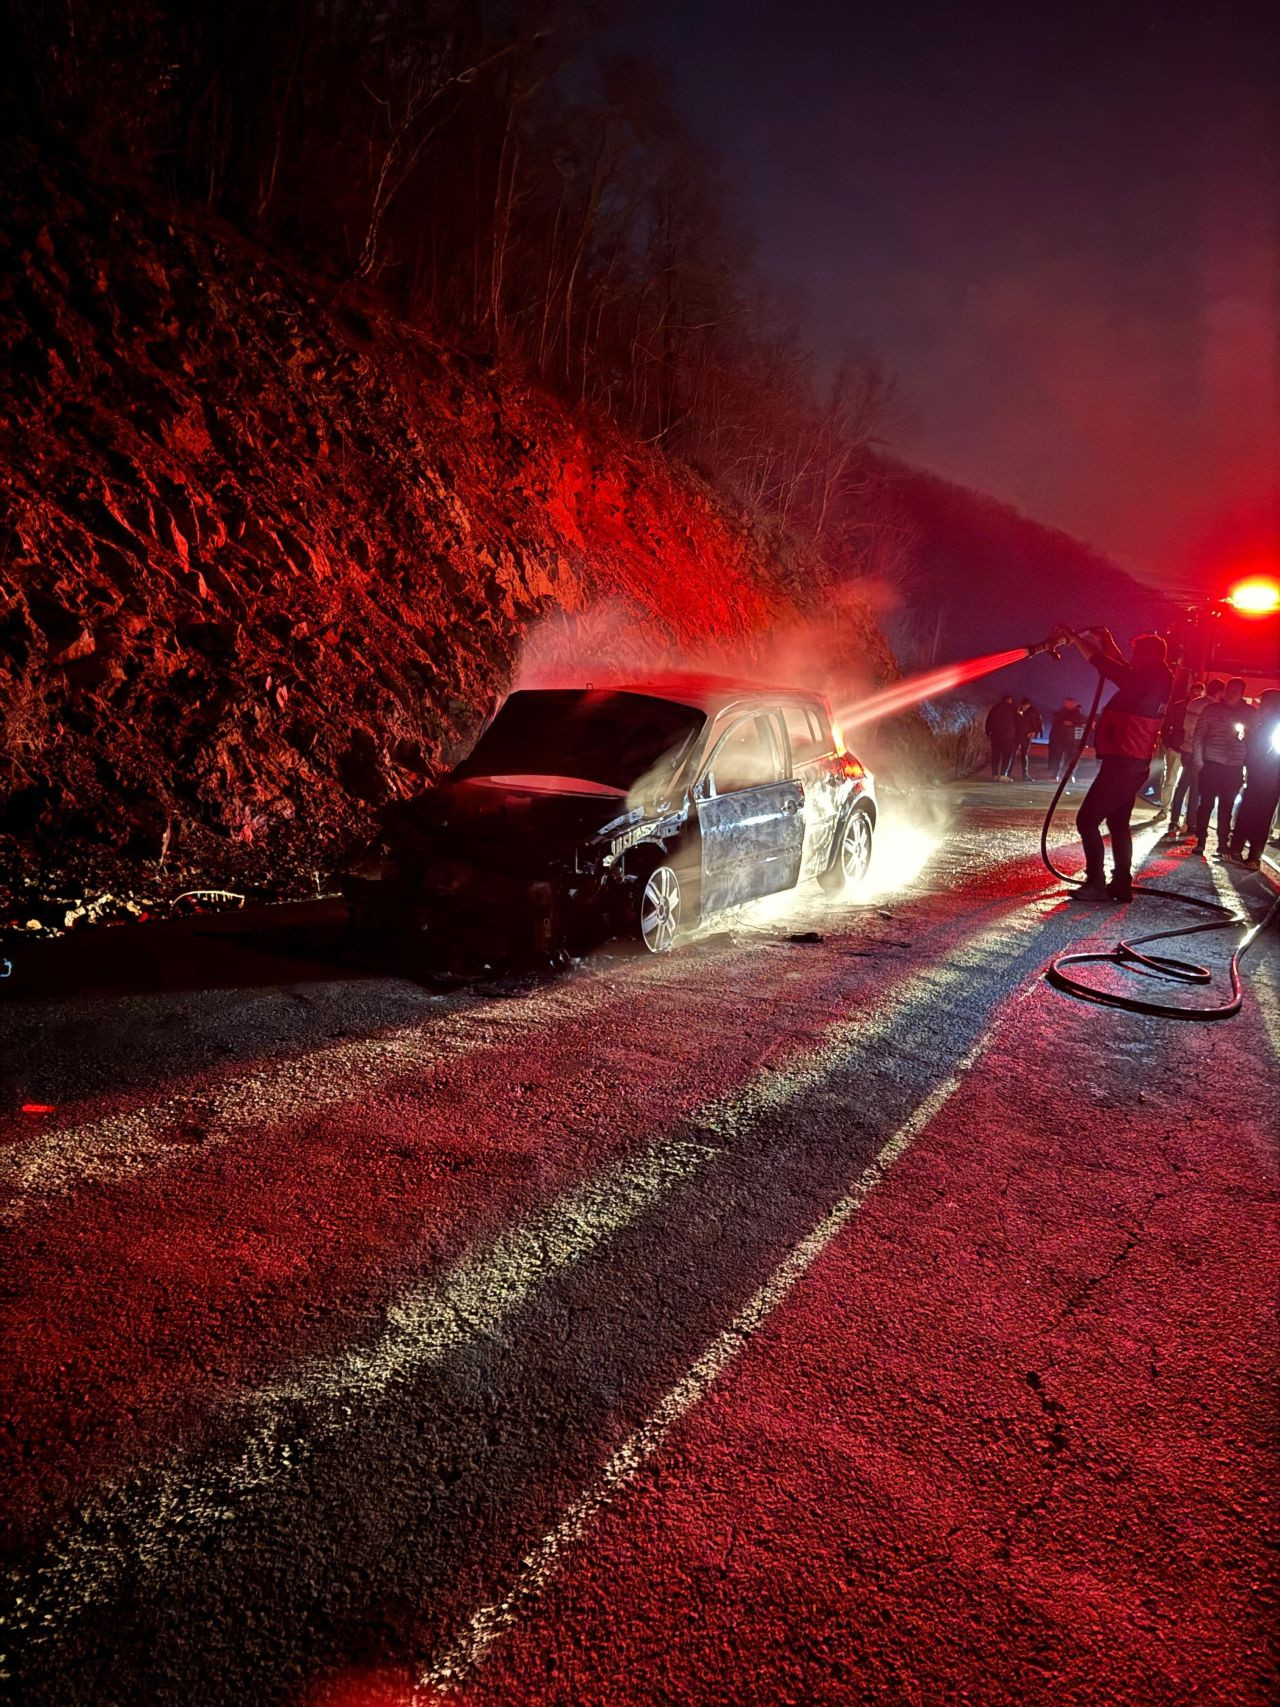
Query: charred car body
[[639, 810]]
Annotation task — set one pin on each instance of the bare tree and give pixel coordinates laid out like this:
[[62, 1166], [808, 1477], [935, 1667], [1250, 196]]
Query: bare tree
[[466, 157]]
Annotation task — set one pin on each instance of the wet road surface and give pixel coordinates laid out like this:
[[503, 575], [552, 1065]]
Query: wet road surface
[[786, 1320]]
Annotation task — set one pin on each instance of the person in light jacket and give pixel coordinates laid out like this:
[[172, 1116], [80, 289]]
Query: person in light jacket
[[1219, 748], [1169, 757], [1182, 811]]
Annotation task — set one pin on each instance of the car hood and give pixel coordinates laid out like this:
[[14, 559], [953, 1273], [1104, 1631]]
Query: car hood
[[529, 815]]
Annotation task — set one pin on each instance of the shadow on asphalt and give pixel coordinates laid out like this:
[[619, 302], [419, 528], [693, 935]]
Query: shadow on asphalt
[[213, 951], [261, 947], [363, 1541], [151, 1003], [145, 1004]]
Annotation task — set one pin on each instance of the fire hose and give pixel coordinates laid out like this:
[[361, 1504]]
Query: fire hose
[[1128, 953]]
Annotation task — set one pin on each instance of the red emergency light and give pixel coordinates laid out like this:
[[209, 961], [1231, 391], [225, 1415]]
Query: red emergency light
[[1258, 596]]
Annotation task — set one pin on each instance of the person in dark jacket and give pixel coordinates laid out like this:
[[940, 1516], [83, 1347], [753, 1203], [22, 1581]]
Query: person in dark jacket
[[1184, 794], [1065, 729], [1002, 732], [1219, 748], [1126, 739], [1262, 785], [1030, 728]]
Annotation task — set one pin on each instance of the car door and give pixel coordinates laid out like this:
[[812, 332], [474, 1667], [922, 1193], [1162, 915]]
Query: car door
[[813, 765], [749, 813]]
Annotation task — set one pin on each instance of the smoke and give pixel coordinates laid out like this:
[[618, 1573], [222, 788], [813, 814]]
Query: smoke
[[840, 653], [607, 643]]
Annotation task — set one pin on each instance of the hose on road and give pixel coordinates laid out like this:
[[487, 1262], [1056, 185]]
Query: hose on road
[[1128, 952]]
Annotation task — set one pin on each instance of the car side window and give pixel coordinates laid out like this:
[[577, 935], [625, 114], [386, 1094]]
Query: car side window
[[800, 733], [746, 757], [808, 733], [822, 733]]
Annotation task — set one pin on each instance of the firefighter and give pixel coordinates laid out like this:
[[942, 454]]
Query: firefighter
[[1127, 736]]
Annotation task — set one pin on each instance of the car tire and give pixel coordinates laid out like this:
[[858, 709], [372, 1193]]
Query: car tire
[[659, 908], [851, 856]]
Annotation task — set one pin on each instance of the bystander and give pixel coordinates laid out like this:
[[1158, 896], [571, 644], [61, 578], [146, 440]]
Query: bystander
[[1219, 748], [1002, 732], [1030, 728], [1182, 808], [1252, 823]]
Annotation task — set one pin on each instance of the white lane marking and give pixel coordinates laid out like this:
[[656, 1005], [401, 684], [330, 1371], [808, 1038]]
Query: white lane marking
[[472, 1301], [119, 1147], [146, 1518], [490, 1622]]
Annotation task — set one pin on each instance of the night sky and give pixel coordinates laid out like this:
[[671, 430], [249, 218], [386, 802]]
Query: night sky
[[1057, 225]]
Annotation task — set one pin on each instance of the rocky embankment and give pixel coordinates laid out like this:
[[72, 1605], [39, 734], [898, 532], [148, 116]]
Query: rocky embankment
[[270, 556]]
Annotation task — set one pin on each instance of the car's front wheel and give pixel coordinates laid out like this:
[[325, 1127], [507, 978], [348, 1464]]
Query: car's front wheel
[[851, 855], [660, 907]]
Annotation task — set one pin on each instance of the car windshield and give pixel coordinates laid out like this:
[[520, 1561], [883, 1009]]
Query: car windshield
[[599, 735]]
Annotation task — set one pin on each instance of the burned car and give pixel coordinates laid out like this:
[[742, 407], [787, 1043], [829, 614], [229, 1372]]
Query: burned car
[[636, 810]]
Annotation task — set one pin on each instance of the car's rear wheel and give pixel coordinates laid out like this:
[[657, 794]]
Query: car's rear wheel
[[660, 908], [851, 855]]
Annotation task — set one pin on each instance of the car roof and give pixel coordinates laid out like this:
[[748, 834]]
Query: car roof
[[711, 694]]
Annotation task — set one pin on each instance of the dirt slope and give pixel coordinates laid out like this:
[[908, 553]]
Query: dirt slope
[[269, 555]]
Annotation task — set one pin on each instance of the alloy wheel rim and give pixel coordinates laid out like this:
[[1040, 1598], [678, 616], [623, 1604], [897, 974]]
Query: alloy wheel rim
[[660, 910], [856, 851]]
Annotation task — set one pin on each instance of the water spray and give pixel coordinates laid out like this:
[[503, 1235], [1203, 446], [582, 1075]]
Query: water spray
[[945, 678], [929, 684]]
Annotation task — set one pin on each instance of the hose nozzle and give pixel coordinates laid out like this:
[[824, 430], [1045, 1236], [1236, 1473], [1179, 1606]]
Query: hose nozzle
[[1053, 646]]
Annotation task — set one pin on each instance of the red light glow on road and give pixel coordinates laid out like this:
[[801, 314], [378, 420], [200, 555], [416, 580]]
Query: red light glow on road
[[1258, 596]]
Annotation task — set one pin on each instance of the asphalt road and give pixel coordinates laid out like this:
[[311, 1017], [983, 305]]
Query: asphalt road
[[839, 1320]]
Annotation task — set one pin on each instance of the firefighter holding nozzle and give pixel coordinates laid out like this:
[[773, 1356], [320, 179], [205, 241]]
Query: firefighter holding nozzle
[[1127, 737]]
